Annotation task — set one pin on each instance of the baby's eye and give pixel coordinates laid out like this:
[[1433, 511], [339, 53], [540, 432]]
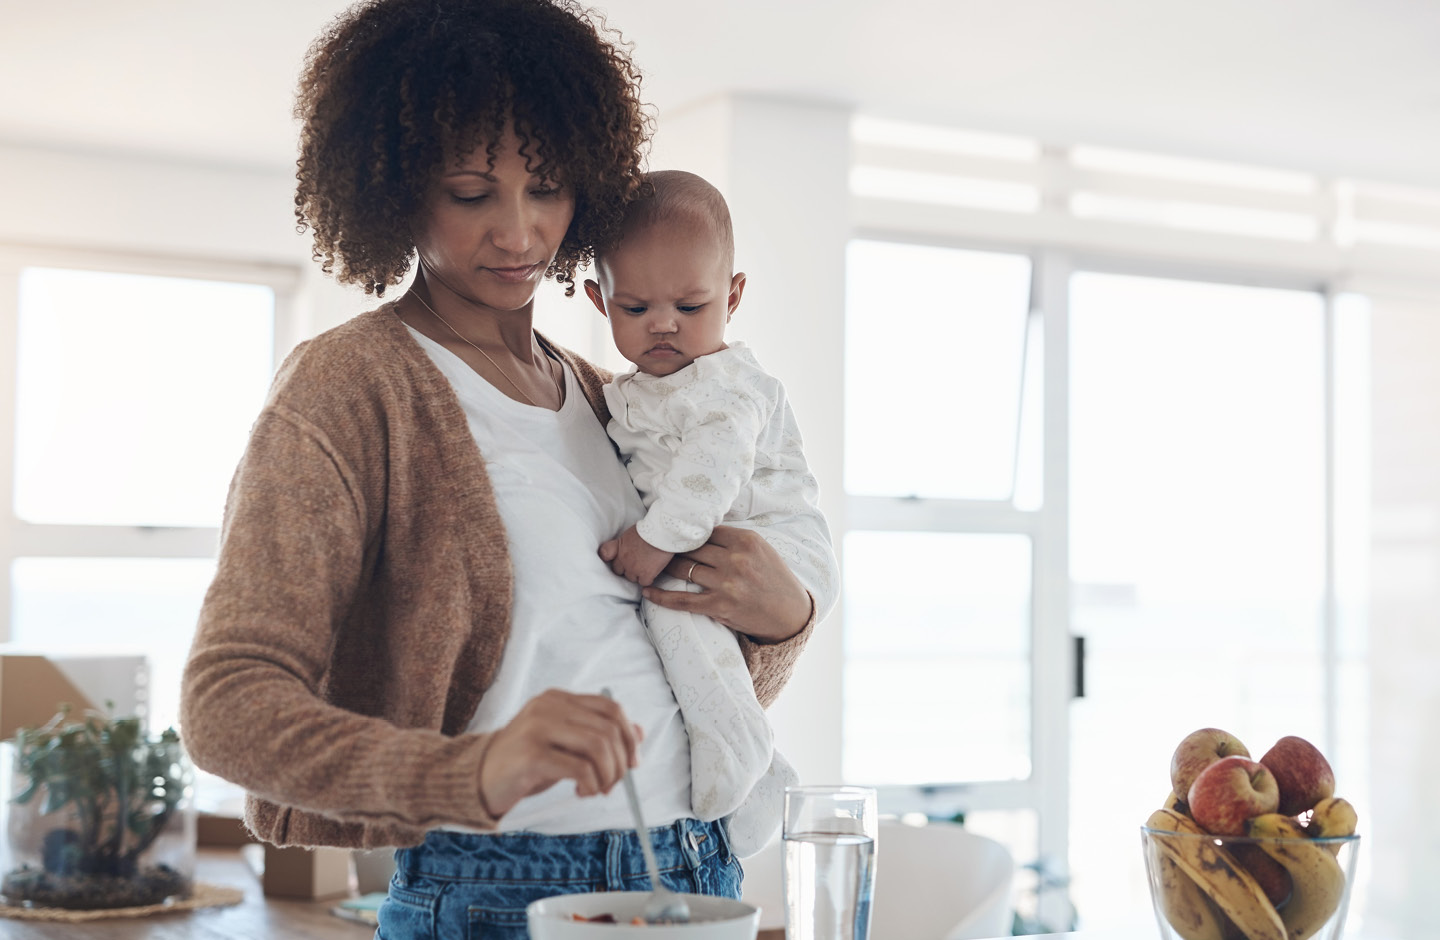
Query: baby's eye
[[634, 310], [688, 308]]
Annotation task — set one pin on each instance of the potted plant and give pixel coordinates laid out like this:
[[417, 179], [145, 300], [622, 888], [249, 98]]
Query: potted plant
[[100, 816]]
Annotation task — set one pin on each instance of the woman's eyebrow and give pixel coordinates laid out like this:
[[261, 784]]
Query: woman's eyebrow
[[488, 177]]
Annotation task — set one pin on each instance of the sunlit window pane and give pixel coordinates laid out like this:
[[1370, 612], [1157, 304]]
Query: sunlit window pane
[[937, 657], [144, 606], [934, 346], [135, 394], [1198, 508]]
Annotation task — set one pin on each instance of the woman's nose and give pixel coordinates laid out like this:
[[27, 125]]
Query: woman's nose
[[513, 228]]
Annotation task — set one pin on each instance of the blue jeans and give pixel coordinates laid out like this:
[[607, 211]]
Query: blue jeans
[[469, 886]]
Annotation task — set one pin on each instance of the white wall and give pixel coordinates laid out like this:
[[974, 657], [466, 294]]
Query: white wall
[[783, 166], [1404, 635], [146, 207]]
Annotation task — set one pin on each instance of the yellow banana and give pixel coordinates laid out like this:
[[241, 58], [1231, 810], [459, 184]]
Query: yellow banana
[[1319, 882], [1176, 804], [1332, 817], [1185, 906], [1233, 890]]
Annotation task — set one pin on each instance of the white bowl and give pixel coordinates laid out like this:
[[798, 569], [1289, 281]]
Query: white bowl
[[711, 918]]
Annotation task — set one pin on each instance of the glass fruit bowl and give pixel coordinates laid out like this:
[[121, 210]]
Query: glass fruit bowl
[[1274, 884]]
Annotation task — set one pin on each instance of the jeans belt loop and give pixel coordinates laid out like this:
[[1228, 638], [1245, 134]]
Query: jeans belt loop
[[615, 861], [722, 832]]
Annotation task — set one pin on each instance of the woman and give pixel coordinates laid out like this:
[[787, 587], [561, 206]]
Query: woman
[[409, 625]]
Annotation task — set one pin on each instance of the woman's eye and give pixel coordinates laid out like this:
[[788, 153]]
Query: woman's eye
[[547, 191], [467, 200]]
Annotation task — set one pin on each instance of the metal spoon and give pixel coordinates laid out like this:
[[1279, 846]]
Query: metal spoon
[[663, 906]]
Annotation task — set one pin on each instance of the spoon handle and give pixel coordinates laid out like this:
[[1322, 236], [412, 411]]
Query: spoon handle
[[651, 865]]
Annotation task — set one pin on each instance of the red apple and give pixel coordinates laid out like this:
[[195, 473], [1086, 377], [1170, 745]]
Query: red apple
[[1199, 750], [1230, 791], [1271, 875], [1302, 773]]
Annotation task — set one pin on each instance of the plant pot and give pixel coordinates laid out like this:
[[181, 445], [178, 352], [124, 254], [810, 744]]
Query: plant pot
[[96, 817]]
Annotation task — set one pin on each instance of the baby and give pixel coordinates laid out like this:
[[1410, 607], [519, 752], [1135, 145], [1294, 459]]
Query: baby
[[708, 439]]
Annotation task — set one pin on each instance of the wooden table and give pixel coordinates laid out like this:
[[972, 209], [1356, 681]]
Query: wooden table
[[255, 918]]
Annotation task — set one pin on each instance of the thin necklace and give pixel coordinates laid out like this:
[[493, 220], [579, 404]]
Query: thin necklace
[[516, 385]]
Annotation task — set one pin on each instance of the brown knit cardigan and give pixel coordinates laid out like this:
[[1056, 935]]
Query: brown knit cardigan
[[362, 600]]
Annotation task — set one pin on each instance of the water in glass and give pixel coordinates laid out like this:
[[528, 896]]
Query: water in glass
[[829, 881]]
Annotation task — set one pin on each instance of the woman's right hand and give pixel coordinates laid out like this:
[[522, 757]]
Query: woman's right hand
[[558, 735]]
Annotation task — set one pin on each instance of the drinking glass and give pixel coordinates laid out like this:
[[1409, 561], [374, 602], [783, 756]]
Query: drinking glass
[[829, 865]]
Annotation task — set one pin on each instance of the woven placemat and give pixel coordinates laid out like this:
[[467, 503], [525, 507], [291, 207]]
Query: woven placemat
[[201, 895]]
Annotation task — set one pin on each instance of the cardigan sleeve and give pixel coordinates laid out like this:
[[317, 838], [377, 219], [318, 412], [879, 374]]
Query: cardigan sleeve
[[291, 559], [771, 664]]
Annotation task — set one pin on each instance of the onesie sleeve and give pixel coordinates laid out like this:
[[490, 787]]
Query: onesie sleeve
[[718, 425]]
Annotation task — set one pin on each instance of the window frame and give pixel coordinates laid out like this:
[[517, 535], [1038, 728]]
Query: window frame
[[20, 538], [1053, 666]]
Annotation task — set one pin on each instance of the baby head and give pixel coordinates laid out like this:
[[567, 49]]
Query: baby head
[[667, 285]]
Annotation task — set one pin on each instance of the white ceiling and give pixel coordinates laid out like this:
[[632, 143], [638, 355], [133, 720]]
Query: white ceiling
[[1339, 87]]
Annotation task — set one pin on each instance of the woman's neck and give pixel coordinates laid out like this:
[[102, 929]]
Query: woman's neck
[[500, 345], [452, 316]]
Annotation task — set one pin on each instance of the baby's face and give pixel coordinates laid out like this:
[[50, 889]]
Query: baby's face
[[668, 293]]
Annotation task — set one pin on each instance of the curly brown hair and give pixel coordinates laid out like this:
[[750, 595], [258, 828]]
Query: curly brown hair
[[394, 90]]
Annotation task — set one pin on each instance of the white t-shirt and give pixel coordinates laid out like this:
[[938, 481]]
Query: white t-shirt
[[561, 491]]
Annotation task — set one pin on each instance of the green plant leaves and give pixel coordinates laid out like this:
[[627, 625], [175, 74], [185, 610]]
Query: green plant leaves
[[118, 786]]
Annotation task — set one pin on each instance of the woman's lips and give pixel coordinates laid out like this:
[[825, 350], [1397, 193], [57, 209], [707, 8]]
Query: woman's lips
[[516, 275]]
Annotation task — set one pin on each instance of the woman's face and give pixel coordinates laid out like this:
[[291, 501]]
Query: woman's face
[[487, 233]]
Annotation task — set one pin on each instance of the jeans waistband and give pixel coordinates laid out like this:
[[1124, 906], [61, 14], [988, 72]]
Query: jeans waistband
[[605, 856]]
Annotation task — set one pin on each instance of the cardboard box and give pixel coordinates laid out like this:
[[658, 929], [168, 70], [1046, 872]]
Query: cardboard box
[[308, 874], [34, 686], [215, 830]]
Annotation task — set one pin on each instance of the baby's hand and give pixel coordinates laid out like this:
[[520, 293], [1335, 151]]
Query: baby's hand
[[635, 559]]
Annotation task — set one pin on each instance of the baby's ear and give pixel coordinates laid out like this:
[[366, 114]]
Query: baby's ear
[[737, 287], [592, 290]]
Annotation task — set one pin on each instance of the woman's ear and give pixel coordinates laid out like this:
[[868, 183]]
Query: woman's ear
[[737, 287], [592, 290]]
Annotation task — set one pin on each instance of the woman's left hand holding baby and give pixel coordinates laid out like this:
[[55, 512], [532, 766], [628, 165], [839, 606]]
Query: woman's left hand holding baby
[[745, 585]]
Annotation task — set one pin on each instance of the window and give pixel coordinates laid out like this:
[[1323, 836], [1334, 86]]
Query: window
[[934, 360], [134, 395], [1198, 540], [921, 661], [1205, 427], [942, 482], [134, 392]]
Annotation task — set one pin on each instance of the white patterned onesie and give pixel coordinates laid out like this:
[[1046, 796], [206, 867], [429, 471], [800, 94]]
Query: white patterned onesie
[[716, 443]]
